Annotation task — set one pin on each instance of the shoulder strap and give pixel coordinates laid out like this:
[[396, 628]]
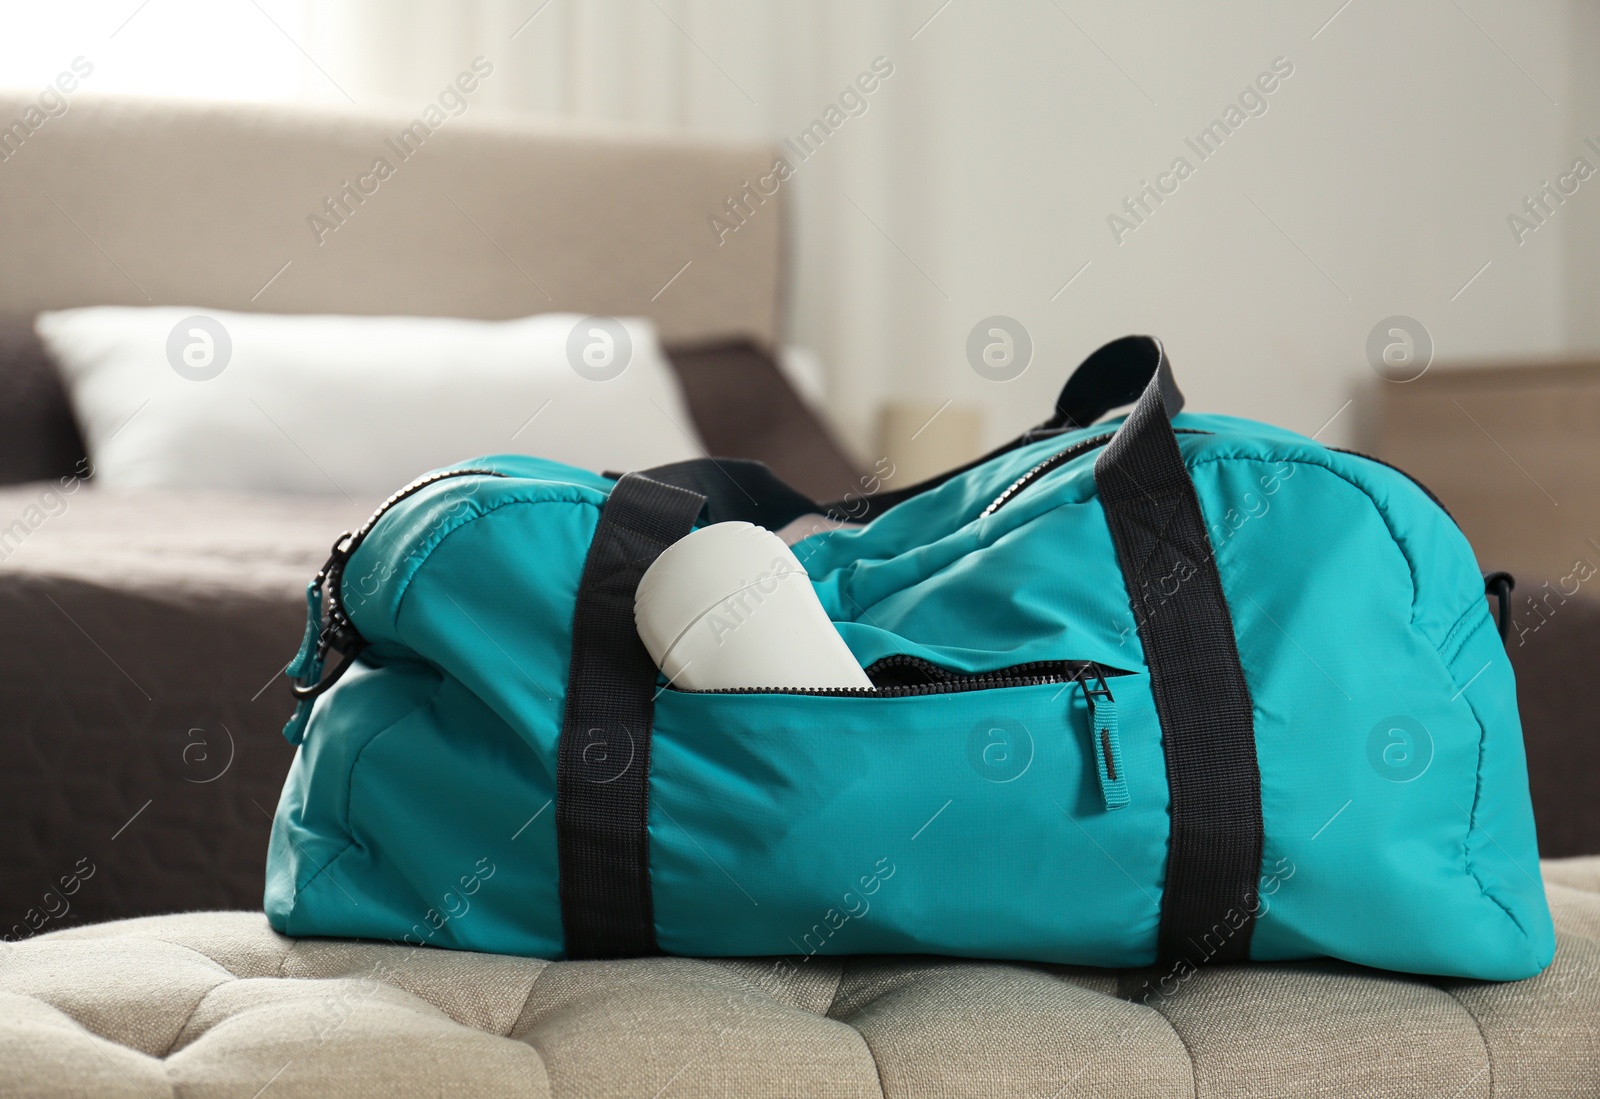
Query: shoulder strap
[[603, 758], [1207, 725]]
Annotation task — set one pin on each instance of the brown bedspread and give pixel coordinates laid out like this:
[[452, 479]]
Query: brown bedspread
[[141, 639]]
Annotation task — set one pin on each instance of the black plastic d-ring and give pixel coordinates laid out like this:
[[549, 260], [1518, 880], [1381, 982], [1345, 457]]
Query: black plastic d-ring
[[1500, 585], [306, 692]]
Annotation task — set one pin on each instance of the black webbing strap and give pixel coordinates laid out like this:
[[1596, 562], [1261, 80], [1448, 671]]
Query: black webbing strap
[[1202, 700], [603, 760], [1110, 378], [1114, 376], [738, 489]]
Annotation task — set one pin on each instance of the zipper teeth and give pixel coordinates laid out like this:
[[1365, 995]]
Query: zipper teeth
[[957, 683], [1086, 445], [1015, 671], [907, 691], [1040, 470], [1083, 446], [345, 546], [411, 490]]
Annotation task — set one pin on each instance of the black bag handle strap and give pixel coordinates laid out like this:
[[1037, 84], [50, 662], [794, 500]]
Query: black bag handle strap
[[1211, 897], [746, 490], [603, 757], [1115, 375], [738, 489]]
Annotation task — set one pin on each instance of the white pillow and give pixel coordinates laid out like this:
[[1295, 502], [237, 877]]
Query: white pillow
[[357, 405]]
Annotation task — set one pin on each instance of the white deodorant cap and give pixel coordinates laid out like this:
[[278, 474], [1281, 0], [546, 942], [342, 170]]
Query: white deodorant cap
[[730, 605]]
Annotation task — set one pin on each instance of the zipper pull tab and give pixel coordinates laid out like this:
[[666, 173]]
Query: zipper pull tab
[[305, 670], [1105, 744], [306, 667]]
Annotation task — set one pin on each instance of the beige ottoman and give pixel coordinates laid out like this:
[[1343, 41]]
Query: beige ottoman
[[216, 1004]]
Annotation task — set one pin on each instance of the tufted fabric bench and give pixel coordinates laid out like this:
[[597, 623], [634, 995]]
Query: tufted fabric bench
[[216, 1004]]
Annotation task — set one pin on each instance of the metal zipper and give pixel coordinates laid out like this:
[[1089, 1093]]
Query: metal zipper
[[338, 632], [1083, 446], [348, 542], [946, 680]]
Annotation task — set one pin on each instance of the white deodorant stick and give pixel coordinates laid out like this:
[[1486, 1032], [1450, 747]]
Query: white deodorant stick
[[730, 605]]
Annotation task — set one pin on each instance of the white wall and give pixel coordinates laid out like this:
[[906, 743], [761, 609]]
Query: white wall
[[981, 177], [1581, 238], [1390, 160]]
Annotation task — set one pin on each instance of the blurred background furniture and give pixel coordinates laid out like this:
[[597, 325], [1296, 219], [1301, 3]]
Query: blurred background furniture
[[979, 177], [1513, 450]]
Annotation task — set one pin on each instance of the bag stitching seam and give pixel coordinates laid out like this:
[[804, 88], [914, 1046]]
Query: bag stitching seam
[[1472, 820], [1477, 791], [424, 551], [1383, 516], [865, 610], [1450, 634]]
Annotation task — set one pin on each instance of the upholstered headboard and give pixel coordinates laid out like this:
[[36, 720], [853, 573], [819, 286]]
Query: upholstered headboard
[[136, 202]]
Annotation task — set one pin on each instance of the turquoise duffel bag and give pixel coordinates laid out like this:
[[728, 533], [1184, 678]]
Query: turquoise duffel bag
[[1169, 689]]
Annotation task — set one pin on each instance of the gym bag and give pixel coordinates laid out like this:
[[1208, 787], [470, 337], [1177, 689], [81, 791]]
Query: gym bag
[[1174, 688]]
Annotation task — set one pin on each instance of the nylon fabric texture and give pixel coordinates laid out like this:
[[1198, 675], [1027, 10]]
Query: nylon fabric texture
[[1396, 827]]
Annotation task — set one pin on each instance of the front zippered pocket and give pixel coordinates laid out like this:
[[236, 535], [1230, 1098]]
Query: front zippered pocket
[[904, 676], [910, 677]]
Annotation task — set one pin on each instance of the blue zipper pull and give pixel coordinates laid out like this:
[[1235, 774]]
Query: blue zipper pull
[[306, 667], [334, 631], [1105, 743]]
